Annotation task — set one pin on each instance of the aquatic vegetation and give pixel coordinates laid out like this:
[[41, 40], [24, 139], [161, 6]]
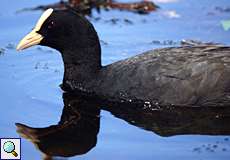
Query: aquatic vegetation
[[86, 6]]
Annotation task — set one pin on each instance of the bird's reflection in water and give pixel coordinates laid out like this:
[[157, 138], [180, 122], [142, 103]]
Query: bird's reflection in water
[[76, 133], [177, 120]]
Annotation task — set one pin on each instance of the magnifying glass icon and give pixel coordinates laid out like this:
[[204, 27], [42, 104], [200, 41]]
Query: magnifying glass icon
[[9, 147]]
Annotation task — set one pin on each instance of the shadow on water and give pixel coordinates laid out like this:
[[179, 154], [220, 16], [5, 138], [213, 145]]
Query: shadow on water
[[76, 133]]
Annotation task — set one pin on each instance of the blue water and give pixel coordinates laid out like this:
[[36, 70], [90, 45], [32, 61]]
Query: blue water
[[29, 80]]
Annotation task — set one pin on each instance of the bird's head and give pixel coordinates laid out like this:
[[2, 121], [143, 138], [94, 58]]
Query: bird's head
[[61, 29]]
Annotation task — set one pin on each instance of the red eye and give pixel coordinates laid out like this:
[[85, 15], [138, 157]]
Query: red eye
[[51, 24]]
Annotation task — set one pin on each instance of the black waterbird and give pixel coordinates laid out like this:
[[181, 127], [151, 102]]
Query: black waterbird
[[187, 75]]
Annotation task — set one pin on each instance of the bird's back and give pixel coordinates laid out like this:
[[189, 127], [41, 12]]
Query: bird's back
[[191, 75]]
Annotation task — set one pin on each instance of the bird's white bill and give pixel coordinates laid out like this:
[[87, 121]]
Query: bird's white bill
[[29, 40]]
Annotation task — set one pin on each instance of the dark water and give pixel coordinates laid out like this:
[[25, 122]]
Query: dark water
[[30, 94]]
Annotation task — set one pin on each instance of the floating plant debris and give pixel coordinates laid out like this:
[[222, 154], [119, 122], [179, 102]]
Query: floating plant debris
[[226, 24], [85, 6], [222, 9], [2, 51], [10, 46], [165, 42]]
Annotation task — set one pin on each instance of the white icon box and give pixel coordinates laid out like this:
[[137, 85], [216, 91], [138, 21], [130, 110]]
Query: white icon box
[[10, 148]]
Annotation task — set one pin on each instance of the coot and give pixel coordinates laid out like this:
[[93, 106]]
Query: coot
[[187, 75]]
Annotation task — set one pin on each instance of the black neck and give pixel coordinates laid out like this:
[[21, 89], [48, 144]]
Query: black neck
[[81, 64]]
